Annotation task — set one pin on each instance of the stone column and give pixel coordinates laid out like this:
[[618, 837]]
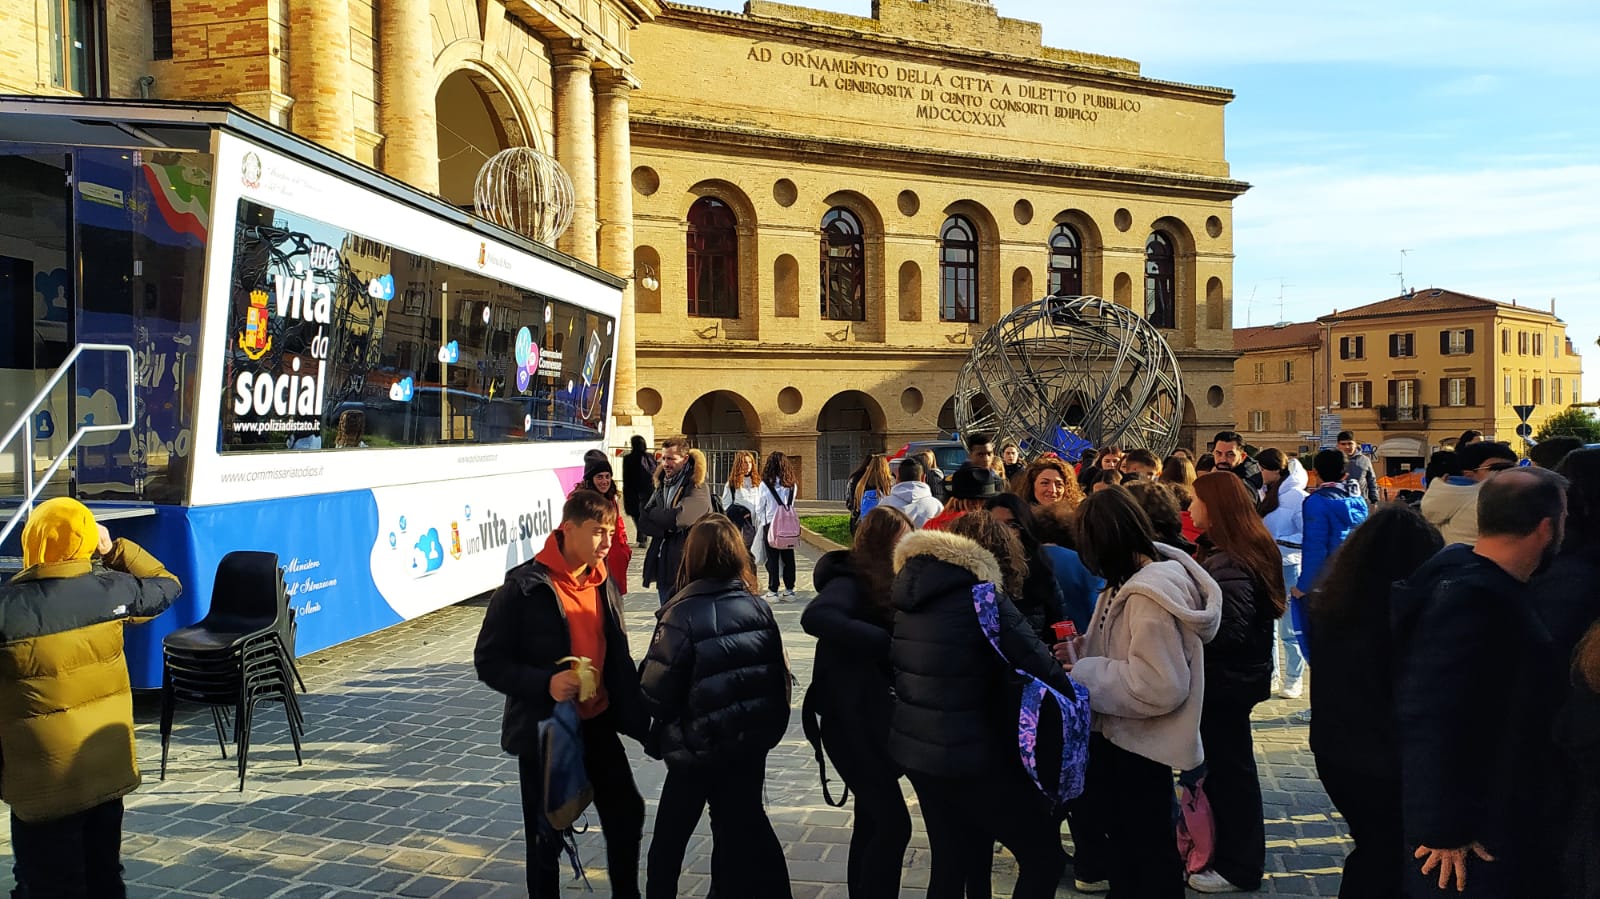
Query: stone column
[[406, 110], [319, 73], [616, 223], [575, 147]]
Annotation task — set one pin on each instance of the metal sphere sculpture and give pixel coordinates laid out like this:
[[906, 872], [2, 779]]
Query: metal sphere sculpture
[[1068, 373], [526, 191]]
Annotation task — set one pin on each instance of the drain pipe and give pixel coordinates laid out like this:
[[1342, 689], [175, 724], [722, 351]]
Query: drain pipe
[[145, 84]]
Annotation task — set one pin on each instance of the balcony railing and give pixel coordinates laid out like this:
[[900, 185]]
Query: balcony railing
[[1413, 414]]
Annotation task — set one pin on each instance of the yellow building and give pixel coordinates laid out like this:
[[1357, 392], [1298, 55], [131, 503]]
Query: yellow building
[[1411, 373], [837, 206], [1278, 388], [831, 208]]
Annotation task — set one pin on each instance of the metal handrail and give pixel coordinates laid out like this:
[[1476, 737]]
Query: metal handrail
[[24, 426]]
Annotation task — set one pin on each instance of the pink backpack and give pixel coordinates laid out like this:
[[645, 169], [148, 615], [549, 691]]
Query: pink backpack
[[784, 531], [1197, 830]]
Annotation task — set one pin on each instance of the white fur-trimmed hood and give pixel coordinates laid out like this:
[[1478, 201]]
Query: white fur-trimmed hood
[[952, 548]]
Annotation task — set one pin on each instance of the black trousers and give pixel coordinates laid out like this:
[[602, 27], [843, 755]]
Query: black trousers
[[1371, 809], [746, 858], [780, 559], [1129, 797], [882, 826], [616, 799], [966, 816], [1234, 788], [76, 857]]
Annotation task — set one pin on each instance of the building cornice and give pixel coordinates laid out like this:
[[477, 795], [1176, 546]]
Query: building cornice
[[1113, 74], [665, 133]]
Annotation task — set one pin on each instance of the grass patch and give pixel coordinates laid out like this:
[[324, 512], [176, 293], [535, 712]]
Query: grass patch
[[834, 527]]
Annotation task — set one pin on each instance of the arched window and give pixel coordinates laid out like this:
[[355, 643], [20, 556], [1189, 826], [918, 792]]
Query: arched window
[[1066, 262], [713, 259], [1160, 288], [958, 270], [844, 267]]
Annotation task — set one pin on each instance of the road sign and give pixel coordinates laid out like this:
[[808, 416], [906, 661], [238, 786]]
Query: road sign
[[1522, 411], [1524, 430], [1330, 425], [1368, 449]]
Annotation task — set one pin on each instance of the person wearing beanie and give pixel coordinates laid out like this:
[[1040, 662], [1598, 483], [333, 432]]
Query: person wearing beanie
[[66, 708], [597, 476]]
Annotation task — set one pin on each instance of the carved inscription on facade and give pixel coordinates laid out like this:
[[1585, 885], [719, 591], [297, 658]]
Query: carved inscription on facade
[[946, 95]]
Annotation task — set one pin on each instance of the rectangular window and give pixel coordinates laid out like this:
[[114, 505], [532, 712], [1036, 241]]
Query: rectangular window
[[1259, 419], [1458, 392], [1522, 390], [1261, 372], [161, 29], [1538, 344], [76, 42], [1522, 343], [1288, 370], [1402, 345], [1355, 394], [316, 365], [1506, 391], [1456, 342], [1538, 391], [1555, 391], [1555, 349], [1352, 347], [1288, 420], [1505, 341]]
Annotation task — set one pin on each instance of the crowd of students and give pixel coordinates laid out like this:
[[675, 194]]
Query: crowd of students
[[1454, 709]]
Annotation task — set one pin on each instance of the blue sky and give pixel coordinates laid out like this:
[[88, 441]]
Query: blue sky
[[1465, 132]]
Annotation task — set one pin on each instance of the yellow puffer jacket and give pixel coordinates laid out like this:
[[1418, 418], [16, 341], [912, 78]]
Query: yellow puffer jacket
[[66, 709]]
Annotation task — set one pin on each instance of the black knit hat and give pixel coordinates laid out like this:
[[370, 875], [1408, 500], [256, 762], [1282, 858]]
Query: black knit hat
[[593, 466], [972, 482]]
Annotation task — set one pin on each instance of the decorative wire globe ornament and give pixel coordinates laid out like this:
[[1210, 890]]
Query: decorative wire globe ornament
[[526, 191], [1068, 373]]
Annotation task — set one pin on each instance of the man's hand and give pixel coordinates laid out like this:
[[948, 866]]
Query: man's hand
[[564, 685], [1295, 592], [1452, 863], [104, 547]]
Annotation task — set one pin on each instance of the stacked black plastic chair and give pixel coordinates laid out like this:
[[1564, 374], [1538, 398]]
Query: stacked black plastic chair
[[239, 655]]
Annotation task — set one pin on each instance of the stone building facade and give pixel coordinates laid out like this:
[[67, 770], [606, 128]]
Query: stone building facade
[[1279, 389], [935, 164], [943, 148]]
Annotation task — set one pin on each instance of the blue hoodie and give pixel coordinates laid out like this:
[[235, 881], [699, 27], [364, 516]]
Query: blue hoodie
[[1330, 513]]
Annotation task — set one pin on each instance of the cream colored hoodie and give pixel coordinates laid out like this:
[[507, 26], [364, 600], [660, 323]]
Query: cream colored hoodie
[[1145, 664]]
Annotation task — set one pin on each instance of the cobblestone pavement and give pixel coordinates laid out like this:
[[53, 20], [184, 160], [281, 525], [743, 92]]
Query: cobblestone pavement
[[405, 792]]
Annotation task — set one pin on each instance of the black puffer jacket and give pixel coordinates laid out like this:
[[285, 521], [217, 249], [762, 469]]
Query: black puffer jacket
[[955, 713], [1239, 657], [524, 632], [851, 675], [714, 679]]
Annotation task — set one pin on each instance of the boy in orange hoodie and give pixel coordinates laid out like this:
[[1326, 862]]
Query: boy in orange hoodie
[[563, 604]]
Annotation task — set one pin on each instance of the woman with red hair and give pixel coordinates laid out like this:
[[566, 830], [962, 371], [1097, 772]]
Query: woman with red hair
[[1239, 553]]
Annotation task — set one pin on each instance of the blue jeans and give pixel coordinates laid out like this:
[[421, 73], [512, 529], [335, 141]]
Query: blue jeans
[[1286, 637]]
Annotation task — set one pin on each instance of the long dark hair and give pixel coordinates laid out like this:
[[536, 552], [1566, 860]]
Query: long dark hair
[[778, 472], [1162, 509], [1114, 536], [1234, 527], [1581, 468], [1389, 546], [1022, 511], [1271, 460], [716, 549], [998, 539], [872, 556]]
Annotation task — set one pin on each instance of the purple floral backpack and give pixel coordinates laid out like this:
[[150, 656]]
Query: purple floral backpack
[[1074, 711]]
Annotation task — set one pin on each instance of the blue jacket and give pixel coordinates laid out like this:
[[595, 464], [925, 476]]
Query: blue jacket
[[1079, 586], [1331, 512]]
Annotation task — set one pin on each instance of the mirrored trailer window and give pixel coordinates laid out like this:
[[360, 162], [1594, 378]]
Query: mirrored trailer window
[[338, 341]]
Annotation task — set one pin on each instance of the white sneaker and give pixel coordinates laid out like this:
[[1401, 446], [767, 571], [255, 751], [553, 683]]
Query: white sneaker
[[1209, 881], [1292, 690], [770, 596], [788, 596], [1277, 684], [1091, 886]]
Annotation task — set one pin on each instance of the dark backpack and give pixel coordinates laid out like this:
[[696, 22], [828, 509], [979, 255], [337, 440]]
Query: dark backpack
[[567, 790], [811, 723]]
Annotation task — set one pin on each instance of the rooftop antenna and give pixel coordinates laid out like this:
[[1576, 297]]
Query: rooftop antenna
[[1401, 274], [1249, 305], [1281, 286]]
